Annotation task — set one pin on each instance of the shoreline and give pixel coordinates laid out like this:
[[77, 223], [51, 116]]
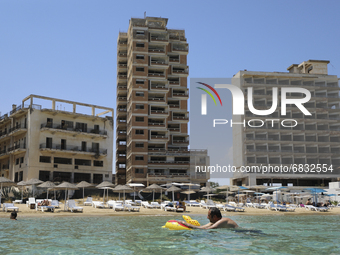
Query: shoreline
[[89, 211]]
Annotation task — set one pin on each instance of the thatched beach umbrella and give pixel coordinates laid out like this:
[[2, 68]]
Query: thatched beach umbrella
[[188, 192], [190, 185], [4, 182], [47, 185], [173, 189], [84, 184], [22, 184], [66, 186], [105, 185], [33, 182], [123, 188], [154, 187]]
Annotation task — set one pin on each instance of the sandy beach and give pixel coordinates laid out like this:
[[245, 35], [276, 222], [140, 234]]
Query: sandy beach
[[24, 211]]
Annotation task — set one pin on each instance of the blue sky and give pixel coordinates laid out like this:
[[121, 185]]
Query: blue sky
[[67, 49]]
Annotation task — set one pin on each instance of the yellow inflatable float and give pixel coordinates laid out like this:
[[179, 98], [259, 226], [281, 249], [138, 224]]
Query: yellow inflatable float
[[175, 225]]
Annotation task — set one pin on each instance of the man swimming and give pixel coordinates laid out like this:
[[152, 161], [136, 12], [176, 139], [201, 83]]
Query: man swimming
[[216, 221]]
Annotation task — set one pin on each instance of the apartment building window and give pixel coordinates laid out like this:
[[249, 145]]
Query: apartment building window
[[139, 132], [44, 175], [63, 144], [65, 161], [83, 146], [49, 142], [139, 69], [139, 106], [44, 159], [81, 127], [21, 160], [67, 125], [139, 158], [139, 171], [98, 163], [140, 82], [49, 123], [139, 94], [140, 32], [140, 57], [17, 161], [140, 45], [95, 147], [140, 119], [139, 145], [82, 162]]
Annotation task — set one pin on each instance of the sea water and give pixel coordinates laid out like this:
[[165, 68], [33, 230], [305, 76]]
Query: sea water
[[278, 234]]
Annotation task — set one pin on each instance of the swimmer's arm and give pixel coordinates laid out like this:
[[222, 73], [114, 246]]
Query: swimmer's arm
[[196, 227], [221, 222]]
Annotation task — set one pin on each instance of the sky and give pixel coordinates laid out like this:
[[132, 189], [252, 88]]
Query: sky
[[67, 49]]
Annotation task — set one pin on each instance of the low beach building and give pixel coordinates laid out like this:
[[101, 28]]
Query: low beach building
[[67, 141]]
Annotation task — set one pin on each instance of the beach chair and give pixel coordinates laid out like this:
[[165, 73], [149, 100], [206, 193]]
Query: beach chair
[[96, 204], [31, 201], [207, 205], [55, 203], [9, 206], [131, 208], [258, 206], [147, 205], [237, 208], [194, 203], [229, 208], [45, 208], [117, 207], [170, 208], [322, 209], [156, 205], [72, 206], [88, 201], [138, 202]]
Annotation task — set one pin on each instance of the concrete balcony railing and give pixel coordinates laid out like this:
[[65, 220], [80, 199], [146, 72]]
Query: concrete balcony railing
[[16, 147], [72, 129], [70, 148]]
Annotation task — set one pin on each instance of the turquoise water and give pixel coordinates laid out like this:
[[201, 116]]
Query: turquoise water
[[143, 235]]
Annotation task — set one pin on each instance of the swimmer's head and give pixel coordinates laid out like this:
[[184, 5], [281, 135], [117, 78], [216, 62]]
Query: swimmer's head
[[13, 216], [214, 214]]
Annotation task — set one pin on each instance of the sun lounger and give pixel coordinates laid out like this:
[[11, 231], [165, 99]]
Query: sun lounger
[[147, 205], [138, 202], [72, 206], [229, 208], [131, 208], [156, 205], [277, 207], [31, 201], [259, 206], [117, 207], [237, 208], [9, 206], [45, 208], [17, 202], [55, 203], [96, 204], [88, 201], [194, 203]]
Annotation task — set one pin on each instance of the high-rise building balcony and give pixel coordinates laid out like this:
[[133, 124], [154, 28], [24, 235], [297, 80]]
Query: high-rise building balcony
[[154, 123], [159, 87], [122, 99], [180, 70], [156, 99], [156, 50], [158, 38], [122, 54], [180, 48], [159, 62], [63, 128], [71, 149], [156, 74], [17, 148], [17, 129]]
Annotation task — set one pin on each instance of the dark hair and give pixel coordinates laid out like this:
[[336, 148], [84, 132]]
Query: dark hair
[[215, 211], [13, 215]]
